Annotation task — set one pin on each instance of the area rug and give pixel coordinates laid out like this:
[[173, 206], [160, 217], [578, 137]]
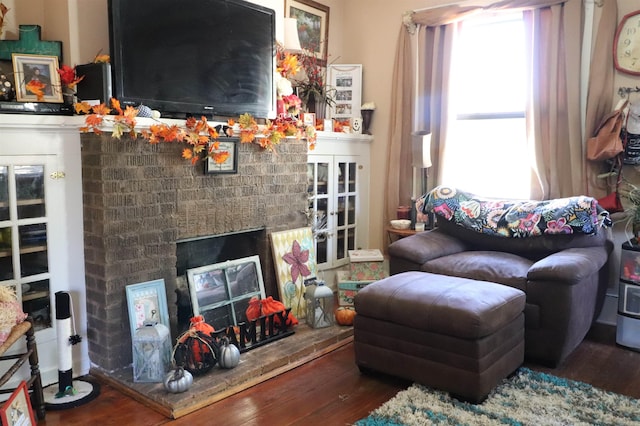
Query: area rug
[[525, 398]]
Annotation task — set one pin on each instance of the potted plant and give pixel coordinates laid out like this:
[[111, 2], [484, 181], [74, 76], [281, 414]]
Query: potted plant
[[312, 88]]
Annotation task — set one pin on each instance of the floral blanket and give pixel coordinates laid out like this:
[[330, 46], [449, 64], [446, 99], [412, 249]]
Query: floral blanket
[[513, 218]]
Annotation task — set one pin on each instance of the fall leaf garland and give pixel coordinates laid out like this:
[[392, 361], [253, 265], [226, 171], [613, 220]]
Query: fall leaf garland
[[199, 136]]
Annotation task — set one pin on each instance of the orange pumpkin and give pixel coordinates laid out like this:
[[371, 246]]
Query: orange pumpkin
[[345, 315]]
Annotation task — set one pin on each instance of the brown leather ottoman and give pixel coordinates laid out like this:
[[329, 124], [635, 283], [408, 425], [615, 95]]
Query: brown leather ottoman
[[454, 334]]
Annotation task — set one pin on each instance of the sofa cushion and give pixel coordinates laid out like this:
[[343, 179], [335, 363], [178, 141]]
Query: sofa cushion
[[533, 248], [452, 306], [497, 267]]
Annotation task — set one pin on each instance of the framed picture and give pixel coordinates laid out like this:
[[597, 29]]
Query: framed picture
[[221, 292], [313, 25], [147, 301], [294, 257], [346, 80], [230, 165], [36, 78], [17, 411]]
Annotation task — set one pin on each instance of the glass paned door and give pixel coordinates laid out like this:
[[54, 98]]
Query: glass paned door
[[333, 198], [318, 176], [24, 256], [346, 207]]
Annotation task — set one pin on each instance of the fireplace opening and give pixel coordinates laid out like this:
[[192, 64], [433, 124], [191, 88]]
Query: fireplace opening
[[209, 250]]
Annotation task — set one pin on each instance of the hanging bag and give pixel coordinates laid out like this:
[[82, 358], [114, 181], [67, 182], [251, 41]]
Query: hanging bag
[[607, 142], [611, 202]]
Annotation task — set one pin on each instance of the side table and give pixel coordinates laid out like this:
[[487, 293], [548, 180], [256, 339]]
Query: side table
[[396, 234]]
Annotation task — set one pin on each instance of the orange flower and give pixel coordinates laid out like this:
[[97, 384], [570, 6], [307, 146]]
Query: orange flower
[[68, 76]]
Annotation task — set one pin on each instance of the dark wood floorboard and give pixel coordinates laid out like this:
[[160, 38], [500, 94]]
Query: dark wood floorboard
[[332, 391]]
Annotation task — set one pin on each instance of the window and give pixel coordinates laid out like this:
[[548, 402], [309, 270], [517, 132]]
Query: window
[[486, 150], [221, 292]]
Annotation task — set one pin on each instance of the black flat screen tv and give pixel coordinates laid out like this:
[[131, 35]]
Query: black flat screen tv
[[193, 57]]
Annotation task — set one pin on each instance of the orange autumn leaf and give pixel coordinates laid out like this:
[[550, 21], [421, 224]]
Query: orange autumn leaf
[[101, 109], [197, 149], [115, 104], [215, 145], [201, 125], [247, 136], [82, 108], [220, 157], [36, 87], [191, 138], [187, 154], [94, 120], [130, 112], [190, 123], [167, 133], [101, 58], [213, 133], [289, 65]]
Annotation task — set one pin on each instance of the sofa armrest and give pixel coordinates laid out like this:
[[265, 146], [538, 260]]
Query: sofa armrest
[[424, 246], [569, 265]]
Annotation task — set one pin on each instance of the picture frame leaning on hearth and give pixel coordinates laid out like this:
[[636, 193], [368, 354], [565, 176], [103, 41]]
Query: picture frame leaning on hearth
[[147, 301]]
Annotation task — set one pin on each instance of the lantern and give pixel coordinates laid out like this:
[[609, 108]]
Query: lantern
[[151, 352], [319, 300]]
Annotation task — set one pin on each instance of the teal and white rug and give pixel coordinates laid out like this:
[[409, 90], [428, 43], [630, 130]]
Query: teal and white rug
[[525, 398]]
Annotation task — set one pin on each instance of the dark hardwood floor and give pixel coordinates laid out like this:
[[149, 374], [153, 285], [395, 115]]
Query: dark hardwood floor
[[331, 391]]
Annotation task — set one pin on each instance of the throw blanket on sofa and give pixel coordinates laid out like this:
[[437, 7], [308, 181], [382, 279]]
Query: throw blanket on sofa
[[513, 218]]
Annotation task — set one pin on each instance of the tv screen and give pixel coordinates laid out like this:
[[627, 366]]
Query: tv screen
[[193, 57]]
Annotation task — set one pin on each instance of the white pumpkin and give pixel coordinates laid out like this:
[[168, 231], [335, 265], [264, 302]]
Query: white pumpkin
[[178, 380], [229, 354]]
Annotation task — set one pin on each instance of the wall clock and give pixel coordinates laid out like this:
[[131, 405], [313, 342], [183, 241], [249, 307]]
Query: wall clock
[[626, 46]]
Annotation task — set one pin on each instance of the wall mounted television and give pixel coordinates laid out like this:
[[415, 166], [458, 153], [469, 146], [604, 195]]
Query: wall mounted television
[[193, 57]]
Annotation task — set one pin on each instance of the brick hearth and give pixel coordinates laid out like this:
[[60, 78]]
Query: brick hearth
[[139, 199], [256, 366]]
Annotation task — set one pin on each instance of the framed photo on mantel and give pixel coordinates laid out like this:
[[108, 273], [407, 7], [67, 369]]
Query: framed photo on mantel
[[37, 78], [346, 80]]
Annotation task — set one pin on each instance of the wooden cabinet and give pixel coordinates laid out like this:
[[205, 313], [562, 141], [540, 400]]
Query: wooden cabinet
[[41, 239], [338, 187]]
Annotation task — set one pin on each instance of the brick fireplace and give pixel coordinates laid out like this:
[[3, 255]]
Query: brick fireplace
[[141, 199]]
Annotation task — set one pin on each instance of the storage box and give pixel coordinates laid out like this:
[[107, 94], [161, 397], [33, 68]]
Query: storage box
[[348, 288], [366, 265]]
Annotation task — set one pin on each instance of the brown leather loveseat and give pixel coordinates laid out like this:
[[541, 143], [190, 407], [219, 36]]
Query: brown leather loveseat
[[555, 251]]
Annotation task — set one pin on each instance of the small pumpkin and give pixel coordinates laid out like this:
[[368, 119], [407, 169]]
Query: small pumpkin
[[178, 380], [229, 354], [345, 315]]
